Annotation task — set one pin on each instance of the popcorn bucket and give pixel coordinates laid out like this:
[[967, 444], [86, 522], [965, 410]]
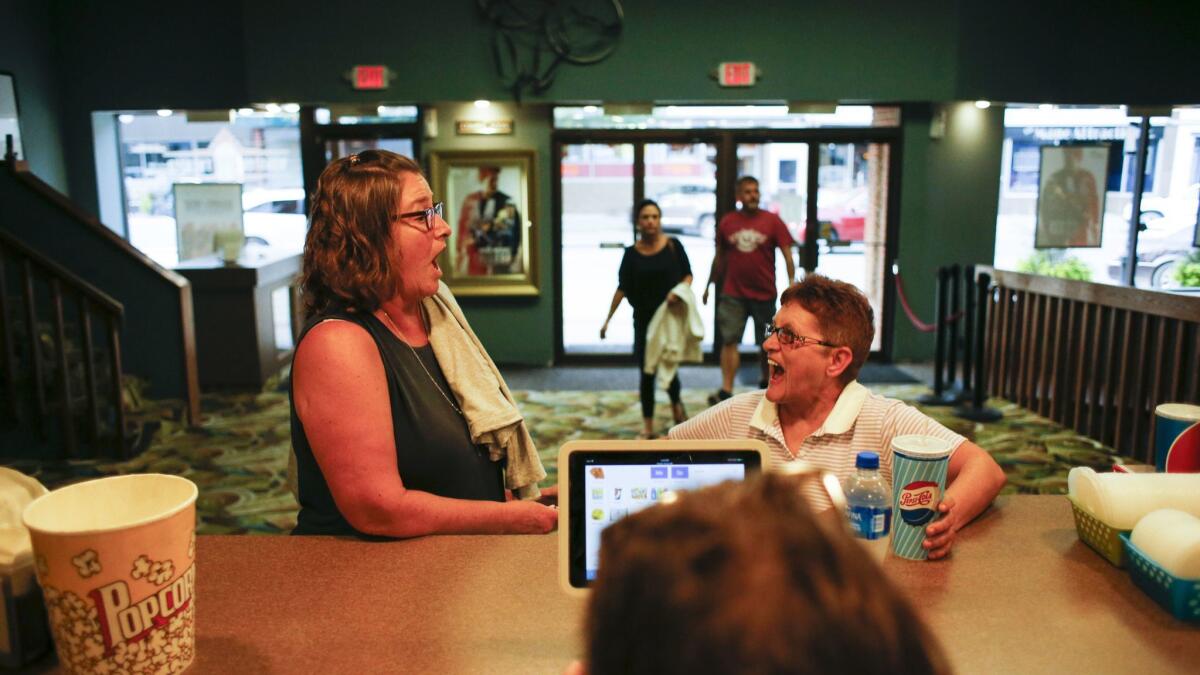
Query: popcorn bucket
[[115, 560]]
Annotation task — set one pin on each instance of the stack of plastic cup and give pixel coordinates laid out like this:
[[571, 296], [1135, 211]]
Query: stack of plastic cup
[[918, 483]]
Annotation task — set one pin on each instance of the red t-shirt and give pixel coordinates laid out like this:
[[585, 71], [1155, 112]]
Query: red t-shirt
[[748, 242]]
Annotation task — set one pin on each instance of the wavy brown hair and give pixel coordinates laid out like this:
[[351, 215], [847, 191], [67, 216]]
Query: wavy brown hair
[[745, 578], [346, 264]]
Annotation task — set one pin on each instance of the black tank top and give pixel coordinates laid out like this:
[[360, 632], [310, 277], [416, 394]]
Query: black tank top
[[434, 452]]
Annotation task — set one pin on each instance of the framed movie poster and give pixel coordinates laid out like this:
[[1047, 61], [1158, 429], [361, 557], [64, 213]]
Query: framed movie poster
[[1070, 206], [490, 208], [201, 211]]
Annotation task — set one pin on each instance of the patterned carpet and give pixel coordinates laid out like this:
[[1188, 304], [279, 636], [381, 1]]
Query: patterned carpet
[[238, 455]]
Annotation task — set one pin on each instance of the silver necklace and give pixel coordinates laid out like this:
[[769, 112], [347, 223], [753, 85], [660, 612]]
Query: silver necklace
[[420, 362]]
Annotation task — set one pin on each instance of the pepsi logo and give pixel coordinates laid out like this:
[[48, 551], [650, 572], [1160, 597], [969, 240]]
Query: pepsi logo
[[1184, 454], [918, 502]]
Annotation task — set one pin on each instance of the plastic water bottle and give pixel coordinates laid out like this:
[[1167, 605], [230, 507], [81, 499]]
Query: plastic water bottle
[[869, 505]]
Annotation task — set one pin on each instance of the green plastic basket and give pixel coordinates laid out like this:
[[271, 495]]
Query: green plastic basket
[[1180, 597], [1102, 537]]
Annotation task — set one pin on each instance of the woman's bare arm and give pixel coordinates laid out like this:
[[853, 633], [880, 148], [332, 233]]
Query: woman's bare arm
[[342, 400]]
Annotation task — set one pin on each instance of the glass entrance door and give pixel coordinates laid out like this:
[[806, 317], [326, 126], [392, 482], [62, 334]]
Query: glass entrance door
[[782, 173], [597, 201], [851, 236], [831, 189], [601, 182], [850, 187]]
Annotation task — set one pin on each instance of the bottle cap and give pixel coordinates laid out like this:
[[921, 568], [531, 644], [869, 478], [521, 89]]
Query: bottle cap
[[867, 460]]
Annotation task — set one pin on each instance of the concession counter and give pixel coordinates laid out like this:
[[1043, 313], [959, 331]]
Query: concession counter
[[1019, 594]]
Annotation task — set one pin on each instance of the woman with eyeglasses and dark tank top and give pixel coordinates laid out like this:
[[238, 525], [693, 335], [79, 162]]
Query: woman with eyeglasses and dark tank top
[[382, 445]]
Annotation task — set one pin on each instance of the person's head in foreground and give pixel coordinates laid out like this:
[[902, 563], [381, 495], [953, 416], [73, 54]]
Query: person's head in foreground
[[820, 339], [743, 578], [374, 234]]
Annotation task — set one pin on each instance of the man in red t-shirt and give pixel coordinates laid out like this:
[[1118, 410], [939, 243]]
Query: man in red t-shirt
[[745, 266]]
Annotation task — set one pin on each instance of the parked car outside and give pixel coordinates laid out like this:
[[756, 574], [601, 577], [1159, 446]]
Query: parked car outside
[[276, 217], [272, 217], [689, 210], [846, 221], [1161, 247]]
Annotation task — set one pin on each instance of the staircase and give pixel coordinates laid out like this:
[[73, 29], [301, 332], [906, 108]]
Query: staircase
[[60, 360], [81, 309]]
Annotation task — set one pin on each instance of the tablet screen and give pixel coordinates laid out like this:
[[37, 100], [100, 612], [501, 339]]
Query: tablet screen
[[609, 485]]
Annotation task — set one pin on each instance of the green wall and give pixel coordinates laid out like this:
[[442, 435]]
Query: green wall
[[949, 196], [515, 330], [26, 52], [145, 54], [866, 50], [1035, 51]]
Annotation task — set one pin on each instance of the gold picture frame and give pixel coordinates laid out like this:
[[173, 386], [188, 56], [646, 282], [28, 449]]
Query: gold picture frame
[[491, 207]]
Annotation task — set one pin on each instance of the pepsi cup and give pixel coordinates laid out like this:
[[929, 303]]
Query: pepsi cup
[[918, 482], [1177, 438]]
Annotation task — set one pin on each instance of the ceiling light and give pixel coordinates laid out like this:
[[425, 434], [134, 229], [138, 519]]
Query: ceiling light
[[125, 118], [483, 103], [983, 105], [1046, 106], [273, 107], [245, 112], [165, 112], [292, 108]]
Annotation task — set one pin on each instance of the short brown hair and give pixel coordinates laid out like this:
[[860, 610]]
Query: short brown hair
[[742, 578], [346, 264], [844, 312]]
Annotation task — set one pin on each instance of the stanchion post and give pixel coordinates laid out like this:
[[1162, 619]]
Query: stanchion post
[[952, 317], [976, 411], [969, 352], [939, 396]]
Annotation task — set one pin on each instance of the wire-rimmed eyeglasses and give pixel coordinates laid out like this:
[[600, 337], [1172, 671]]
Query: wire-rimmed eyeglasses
[[787, 337]]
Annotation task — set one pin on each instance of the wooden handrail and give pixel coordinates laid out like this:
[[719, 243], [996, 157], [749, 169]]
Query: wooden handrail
[[91, 292], [182, 374], [61, 202], [1157, 303], [1093, 357]]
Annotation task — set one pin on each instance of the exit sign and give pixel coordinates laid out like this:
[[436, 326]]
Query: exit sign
[[736, 74], [369, 77]]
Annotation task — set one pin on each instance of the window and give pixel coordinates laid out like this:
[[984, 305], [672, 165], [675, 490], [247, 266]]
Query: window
[[259, 150], [726, 117], [1169, 195]]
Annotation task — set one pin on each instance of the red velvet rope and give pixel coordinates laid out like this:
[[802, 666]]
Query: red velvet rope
[[912, 316]]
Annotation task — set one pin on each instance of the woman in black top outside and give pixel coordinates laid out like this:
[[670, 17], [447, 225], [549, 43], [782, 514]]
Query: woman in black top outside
[[650, 269], [382, 446]]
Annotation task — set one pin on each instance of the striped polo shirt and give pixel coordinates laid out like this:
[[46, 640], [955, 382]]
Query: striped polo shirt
[[860, 420]]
